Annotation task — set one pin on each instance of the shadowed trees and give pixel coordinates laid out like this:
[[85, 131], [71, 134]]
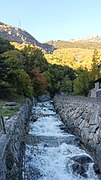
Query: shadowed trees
[[26, 71]]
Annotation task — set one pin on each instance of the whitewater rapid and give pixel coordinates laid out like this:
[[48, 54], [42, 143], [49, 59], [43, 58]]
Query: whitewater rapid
[[52, 153]]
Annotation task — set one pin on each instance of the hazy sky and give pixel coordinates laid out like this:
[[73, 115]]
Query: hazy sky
[[53, 19]]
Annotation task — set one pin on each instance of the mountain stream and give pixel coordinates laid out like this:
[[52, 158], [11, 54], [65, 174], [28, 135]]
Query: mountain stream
[[52, 153]]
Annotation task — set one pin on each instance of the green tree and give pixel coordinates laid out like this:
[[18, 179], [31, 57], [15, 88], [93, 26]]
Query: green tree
[[95, 71], [81, 83], [59, 78], [33, 58], [3, 68], [14, 64], [5, 45], [15, 75], [66, 85], [24, 84], [49, 77], [4, 85]]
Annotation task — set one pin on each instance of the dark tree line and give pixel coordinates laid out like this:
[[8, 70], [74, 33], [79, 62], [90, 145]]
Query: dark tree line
[[25, 71]]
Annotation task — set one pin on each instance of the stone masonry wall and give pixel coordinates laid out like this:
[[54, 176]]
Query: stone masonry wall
[[12, 145], [82, 116]]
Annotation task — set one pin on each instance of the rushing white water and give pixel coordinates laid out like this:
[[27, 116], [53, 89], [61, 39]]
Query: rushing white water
[[52, 154]]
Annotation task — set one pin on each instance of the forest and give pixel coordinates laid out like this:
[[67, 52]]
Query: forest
[[25, 70]]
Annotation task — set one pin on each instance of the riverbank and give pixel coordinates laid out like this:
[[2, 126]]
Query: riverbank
[[82, 117], [12, 143]]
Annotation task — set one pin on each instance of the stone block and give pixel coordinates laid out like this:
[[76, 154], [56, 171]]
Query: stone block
[[92, 128]]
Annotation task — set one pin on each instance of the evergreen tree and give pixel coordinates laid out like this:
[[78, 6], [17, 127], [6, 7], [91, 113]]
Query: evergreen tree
[[3, 68], [5, 45], [95, 70], [4, 85], [81, 83]]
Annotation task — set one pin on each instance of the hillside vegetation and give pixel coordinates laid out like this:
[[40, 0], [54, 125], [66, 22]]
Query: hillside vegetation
[[73, 57], [86, 62], [27, 70]]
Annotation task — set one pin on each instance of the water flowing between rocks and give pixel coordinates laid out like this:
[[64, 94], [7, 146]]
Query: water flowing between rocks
[[52, 153]]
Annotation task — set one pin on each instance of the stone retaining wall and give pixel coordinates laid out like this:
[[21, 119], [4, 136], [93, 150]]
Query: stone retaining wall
[[12, 145], [82, 116], [1, 128]]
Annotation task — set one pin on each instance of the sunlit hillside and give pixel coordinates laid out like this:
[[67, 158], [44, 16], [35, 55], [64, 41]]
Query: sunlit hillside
[[16, 34], [86, 43], [73, 57], [75, 53]]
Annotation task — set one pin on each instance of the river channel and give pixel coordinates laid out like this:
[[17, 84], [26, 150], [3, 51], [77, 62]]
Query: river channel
[[52, 153]]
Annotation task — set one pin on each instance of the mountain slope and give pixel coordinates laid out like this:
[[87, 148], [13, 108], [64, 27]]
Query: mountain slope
[[91, 43], [14, 34]]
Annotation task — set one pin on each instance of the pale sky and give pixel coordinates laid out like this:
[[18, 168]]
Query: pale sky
[[53, 19]]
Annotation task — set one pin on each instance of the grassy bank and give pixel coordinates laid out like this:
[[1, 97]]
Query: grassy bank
[[10, 110]]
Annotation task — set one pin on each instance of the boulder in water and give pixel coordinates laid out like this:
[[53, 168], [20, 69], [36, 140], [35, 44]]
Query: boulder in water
[[83, 159], [79, 169], [80, 165]]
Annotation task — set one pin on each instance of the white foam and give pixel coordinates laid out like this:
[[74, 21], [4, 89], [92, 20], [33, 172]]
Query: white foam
[[51, 161]]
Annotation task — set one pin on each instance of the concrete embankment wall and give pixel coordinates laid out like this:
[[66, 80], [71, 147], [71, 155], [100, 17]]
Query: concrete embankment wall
[[12, 144], [82, 116]]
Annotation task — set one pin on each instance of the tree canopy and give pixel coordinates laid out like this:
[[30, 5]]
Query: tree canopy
[[27, 71]]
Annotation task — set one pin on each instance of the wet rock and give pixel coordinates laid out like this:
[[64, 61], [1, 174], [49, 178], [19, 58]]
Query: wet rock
[[79, 169], [83, 159], [96, 169], [81, 164], [34, 118]]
